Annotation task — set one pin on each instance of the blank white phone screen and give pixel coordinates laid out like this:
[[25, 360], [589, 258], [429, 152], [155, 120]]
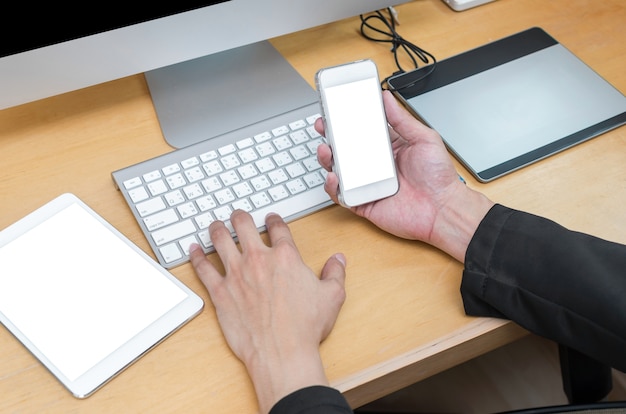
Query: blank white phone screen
[[78, 292], [358, 124]]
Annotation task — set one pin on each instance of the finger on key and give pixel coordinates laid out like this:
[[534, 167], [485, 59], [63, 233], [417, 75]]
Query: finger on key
[[223, 242], [246, 230], [278, 230], [205, 270]]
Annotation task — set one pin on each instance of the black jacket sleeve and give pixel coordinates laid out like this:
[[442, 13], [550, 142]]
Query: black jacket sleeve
[[313, 400], [567, 286]]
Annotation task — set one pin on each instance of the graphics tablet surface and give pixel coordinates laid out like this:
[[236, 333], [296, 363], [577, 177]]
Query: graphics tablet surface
[[512, 102], [81, 297]]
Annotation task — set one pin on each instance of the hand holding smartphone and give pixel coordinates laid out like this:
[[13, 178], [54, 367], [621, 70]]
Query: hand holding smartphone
[[357, 132]]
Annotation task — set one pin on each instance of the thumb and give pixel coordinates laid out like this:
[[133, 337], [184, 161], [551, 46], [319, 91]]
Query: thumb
[[333, 282], [335, 271]]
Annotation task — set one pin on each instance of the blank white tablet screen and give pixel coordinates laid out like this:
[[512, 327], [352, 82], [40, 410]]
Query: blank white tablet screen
[[78, 292]]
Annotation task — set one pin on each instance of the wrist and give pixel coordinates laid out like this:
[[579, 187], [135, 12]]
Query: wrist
[[458, 219], [278, 375]]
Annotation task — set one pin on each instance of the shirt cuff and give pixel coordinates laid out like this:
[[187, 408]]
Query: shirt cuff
[[311, 400]]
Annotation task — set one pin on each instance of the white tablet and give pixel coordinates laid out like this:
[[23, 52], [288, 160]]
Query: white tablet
[[82, 298]]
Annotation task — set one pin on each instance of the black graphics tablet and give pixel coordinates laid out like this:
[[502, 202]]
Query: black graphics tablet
[[512, 102]]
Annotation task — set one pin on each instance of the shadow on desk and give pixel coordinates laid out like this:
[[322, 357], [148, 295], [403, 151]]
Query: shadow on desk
[[596, 408], [522, 375]]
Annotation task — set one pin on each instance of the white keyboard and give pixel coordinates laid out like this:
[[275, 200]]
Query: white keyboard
[[269, 167]]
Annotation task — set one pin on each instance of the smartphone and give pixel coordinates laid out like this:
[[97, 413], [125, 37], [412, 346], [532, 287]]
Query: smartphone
[[356, 130]]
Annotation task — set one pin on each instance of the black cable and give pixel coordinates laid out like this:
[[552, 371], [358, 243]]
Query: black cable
[[398, 43]]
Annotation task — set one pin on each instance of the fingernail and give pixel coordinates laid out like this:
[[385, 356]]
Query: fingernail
[[341, 258]]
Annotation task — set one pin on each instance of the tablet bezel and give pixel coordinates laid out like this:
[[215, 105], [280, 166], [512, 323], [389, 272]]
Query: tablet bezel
[[148, 337]]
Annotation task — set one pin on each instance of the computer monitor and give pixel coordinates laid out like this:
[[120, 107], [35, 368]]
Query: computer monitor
[[202, 59]]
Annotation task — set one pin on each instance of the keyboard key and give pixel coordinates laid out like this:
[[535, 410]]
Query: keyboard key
[[170, 253], [211, 184], [229, 178], [193, 191], [311, 164], [186, 242], [300, 152], [224, 196], [282, 143], [175, 181], [277, 176], [170, 169], [282, 158], [265, 149], [204, 238], [311, 119], [281, 130], [296, 186], [300, 123], [260, 199], [208, 156], [230, 161], [212, 168], [295, 170], [247, 171], [190, 162], [151, 176], [162, 219], [245, 143], [243, 205], [242, 190], [206, 203], [312, 132], [278, 193], [227, 149], [174, 197], [312, 145], [265, 165], [248, 155], [194, 174], [263, 136], [173, 232], [299, 137], [314, 179], [138, 194], [223, 213], [187, 210], [204, 220], [150, 206], [260, 183], [157, 187], [133, 182]]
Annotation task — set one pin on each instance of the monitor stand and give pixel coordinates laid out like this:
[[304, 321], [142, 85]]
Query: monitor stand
[[209, 96]]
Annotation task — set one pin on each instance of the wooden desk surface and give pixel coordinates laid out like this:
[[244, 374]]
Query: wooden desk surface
[[403, 320]]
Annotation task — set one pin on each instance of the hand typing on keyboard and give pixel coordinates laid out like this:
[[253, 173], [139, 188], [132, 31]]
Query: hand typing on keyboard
[[176, 196]]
